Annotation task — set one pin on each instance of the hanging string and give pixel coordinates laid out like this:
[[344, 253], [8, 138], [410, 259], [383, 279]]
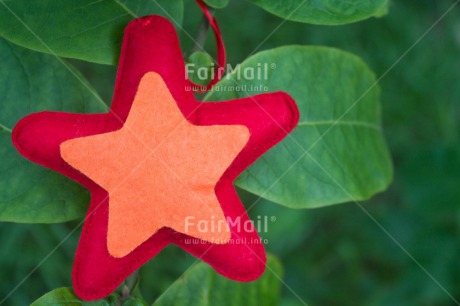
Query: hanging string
[[221, 54]]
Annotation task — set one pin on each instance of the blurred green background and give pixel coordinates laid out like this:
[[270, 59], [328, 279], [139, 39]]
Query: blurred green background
[[336, 255]]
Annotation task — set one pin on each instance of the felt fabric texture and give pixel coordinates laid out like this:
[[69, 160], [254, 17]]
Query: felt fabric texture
[[159, 170], [150, 44]]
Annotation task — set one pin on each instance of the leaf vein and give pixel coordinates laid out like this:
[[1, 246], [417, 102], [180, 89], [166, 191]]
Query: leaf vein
[[123, 6], [94, 27], [5, 128], [342, 123]]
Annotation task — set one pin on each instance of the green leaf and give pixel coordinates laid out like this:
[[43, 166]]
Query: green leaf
[[32, 82], [337, 153], [202, 286], [84, 29], [200, 67], [134, 302], [217, 3], [66, 297], [286, 228], [326, 12]]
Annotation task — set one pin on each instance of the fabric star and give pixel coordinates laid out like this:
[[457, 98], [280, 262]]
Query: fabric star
[[156, 162], [151, 64]]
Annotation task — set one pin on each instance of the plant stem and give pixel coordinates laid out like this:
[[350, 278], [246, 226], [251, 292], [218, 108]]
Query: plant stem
[[201, 33], [128, 286]]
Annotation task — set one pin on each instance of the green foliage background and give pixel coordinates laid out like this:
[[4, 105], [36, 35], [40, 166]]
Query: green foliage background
[[335, 255]]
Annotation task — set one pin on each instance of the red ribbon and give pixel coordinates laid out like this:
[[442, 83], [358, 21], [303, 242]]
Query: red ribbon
[[221, 54]]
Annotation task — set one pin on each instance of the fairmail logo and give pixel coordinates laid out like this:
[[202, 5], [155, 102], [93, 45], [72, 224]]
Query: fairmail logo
[[259, 72], [213, 225]]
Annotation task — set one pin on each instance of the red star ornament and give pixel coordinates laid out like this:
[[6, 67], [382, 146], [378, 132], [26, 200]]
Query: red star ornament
[[151, 48]]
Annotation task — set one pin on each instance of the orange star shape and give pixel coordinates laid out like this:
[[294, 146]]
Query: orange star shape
[[159, 170]]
